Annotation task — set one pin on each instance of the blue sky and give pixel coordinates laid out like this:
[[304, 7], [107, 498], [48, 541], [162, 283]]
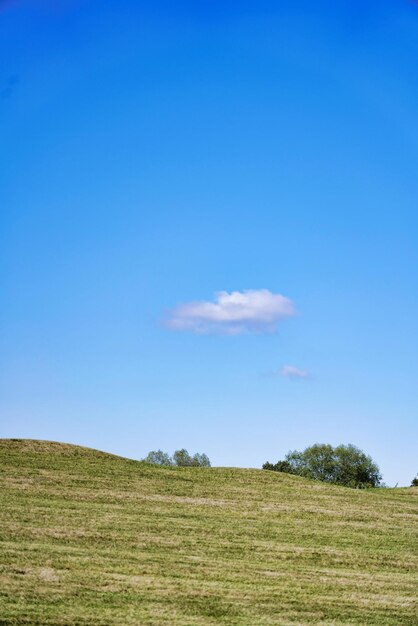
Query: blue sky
[[161, 164]]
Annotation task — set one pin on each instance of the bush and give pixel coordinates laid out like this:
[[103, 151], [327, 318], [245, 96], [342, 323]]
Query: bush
[[414, 482], [181, 458], [343, 465]]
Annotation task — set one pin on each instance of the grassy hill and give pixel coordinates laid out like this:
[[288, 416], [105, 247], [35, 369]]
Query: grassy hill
[[88, 538]]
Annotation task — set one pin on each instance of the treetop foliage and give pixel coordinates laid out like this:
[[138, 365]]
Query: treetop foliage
[[280, 466], [181, 458], [344, 465], [158, 457]]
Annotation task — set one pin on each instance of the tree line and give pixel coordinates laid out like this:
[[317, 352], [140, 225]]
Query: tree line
[[344, 465], [180, 458]]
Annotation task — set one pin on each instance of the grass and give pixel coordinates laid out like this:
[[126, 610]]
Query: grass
[[88, 538]]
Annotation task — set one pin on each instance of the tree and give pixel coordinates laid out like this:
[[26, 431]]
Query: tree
[[354, 468], [280, 466], [200, 460], [343, 465], [414, 482], [316, 462], [182, 458], [158, 457]]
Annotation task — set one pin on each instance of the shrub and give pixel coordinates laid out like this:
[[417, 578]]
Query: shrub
[[414, 482]]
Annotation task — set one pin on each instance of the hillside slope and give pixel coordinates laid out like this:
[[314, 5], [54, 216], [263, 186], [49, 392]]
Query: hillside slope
[[89, 538]]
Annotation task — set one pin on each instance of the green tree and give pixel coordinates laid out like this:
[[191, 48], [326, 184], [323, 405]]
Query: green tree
[[343, 465], [316, 462], [182, 458], [158, 457], [354, 468], [280, 466], [414, 482], [200, 460]]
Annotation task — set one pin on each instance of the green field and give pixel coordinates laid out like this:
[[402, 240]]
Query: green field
[[90, 538]]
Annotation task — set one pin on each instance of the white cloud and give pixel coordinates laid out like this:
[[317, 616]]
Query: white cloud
[[249, 311], [290, 371]]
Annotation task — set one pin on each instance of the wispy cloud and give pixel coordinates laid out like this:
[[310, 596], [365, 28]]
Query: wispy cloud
[[290, 371], [238, 312]]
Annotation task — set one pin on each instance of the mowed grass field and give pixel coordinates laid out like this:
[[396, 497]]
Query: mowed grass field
[[88, 538]]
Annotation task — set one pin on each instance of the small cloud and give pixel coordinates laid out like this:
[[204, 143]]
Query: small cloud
[[235, 313], [290, 371]]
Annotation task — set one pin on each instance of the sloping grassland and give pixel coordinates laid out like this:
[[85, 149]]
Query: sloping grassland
[[92, 539]]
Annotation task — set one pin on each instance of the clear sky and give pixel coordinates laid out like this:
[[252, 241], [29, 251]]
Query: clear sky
[[209, 226]]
